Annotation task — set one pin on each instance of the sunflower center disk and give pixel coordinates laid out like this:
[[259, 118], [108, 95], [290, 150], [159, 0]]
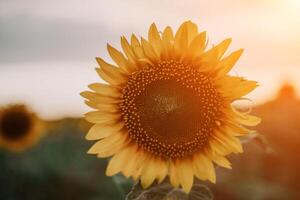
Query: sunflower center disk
[[14, 125], [170, 109]]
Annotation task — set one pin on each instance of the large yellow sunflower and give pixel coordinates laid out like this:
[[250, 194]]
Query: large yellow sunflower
[[19, 128], [166, 109]]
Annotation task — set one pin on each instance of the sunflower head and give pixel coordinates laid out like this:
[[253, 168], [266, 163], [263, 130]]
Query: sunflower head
[[19, 128], [166, 107]]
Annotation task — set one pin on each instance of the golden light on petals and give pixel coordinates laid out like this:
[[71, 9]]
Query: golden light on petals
[[167, 105]]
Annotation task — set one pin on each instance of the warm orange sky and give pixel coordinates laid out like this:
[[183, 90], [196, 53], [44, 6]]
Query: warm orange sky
[[47, 48]]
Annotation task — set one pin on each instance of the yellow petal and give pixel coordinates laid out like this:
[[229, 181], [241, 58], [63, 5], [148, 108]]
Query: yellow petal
[[163, 170], [109, 107], [235, 87], [227, 63], [185, 174], [173, 174], [136, 47], [168, 37], [110, 73], [106, 90], [101, 117], [114, 149], [181, 38], [134, 41], [211, 58], [236, 129], [211, 172], [99, 131], [198, 45], [127, 49], [249, 120], [219, 148], [108, 77], [199, 168], [139, 52], [155, 40], [115, 139], [91, 104], [148, 50], [140, 163], [149, 172], [137, 174], [168, 41], [130, 167], [119, 58], [99, 99], [192, 30], [117, 162], [205, 168], [244, 119], [229, 141], [89, 95], [222, 47], [222, 161], [185, 34], [208, 60], [109, 67]]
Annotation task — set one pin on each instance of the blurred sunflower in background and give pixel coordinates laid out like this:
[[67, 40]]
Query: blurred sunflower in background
[[19, 128], [166, 109]]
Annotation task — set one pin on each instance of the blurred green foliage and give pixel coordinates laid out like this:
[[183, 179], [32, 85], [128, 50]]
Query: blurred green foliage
[[57, 168]]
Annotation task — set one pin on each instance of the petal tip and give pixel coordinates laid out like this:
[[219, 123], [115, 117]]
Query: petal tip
[[84, 94]]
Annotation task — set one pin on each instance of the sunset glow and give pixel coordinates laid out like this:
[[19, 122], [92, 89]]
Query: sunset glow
[[40, 39]]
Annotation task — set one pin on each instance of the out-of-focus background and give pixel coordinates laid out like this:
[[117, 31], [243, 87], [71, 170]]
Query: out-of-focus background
[[47, 51]]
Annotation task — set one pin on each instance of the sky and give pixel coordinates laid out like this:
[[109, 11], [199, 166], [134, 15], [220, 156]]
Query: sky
[[47, 48]]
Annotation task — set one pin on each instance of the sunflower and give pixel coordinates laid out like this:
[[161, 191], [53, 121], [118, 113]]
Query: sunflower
[[19, 128], [166, 109]]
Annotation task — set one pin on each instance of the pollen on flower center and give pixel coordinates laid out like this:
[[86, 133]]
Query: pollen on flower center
[[14, 125], [170, 109]]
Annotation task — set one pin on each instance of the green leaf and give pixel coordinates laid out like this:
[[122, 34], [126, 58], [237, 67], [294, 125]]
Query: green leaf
[[123, 184], [165, 191]]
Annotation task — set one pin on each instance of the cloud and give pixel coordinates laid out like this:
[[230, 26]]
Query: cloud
[[77, 30], [26, 38]]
